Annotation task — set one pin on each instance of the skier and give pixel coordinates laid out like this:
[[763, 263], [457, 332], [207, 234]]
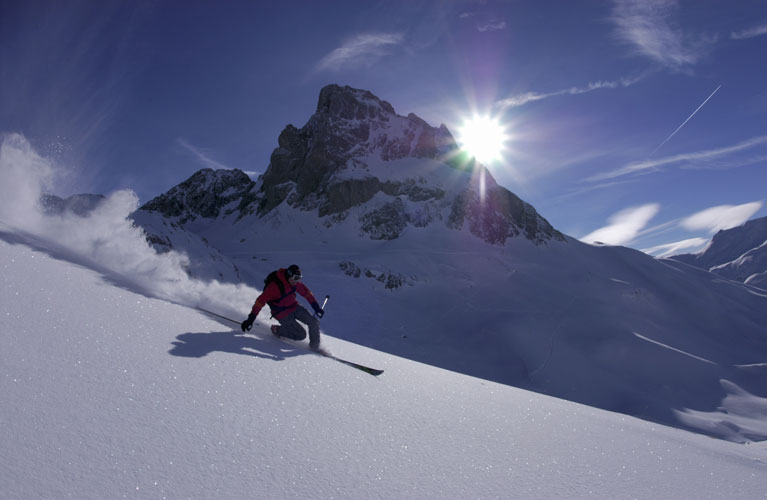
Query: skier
[[280, 294]]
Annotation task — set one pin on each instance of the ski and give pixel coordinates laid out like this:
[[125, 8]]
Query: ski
[[372, 371]]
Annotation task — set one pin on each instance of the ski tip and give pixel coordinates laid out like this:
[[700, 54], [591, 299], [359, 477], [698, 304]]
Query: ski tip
[[372, 371]]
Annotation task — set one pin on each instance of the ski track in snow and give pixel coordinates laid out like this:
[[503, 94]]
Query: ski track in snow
[[665, 346]]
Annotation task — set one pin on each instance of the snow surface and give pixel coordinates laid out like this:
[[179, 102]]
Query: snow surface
[[110, 393]]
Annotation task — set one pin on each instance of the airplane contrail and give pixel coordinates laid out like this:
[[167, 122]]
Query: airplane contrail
[[685, 122]]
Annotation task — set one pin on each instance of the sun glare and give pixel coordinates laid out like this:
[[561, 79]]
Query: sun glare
[[483, 138]]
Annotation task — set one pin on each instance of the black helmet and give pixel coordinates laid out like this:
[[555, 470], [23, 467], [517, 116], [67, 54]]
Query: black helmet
[[293, 272]]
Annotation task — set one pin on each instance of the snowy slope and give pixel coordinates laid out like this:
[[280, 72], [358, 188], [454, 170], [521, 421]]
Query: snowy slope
[[605, 326], [608, 327], [751, 267], [110, 393], [739, 253]]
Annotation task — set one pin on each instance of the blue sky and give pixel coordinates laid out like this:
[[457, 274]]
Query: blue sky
[[634, 123]]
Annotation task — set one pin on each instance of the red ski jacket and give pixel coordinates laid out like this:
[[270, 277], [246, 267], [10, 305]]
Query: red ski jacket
[[281, 304]]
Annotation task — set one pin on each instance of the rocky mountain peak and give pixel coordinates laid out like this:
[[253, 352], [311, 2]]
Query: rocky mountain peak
[[325, 165], [349, 123], [204, 194], [352, 104], [355, 152]]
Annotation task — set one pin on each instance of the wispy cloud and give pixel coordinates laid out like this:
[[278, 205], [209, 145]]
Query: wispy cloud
[[647, 26], [522, 99], [624, 226], [721, 217], [491, 26], [701, 156], [677, 247], [685, 122], [484, 23], [202, 156], [750, 33], [361, 49]]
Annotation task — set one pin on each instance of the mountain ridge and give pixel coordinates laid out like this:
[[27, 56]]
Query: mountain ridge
[[739, 253]]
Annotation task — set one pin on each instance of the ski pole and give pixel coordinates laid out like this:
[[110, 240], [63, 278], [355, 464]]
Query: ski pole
[[322, 307], [218, 315]]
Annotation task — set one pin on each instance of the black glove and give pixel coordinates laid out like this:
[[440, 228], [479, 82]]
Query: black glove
[[248, 323], [318, 310]]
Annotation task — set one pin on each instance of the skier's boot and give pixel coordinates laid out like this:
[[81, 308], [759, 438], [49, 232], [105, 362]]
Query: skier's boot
[[275, 329]]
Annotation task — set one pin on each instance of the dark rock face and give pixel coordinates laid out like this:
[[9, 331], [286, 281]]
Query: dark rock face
[[499, 214], [204, 194], [385, 223], [352, 104], [390, 280], [348, 124]]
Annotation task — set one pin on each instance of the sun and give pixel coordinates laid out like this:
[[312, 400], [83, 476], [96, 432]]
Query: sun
[[483, 137]]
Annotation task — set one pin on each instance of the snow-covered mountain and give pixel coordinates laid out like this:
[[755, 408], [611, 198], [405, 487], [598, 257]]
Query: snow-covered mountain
[[738, 254], [356, 154], [107, 393], [78, 204], [203, 196], [426, 257]]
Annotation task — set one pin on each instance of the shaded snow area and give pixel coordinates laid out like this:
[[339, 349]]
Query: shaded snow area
[[108, 393]]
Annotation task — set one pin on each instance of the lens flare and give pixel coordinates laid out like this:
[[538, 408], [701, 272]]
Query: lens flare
[[484, 138]]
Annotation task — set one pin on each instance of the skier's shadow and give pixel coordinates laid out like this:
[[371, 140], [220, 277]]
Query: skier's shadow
[[199, 345]]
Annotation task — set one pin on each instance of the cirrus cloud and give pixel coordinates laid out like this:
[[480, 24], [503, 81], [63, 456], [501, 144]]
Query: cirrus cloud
[[750, 33], [624, 226], [201, 155], [522, 99], [676, 247], [361, 49], [647, 26], [700, 157], [721, 217]]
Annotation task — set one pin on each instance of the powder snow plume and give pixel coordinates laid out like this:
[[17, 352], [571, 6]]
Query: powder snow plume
[[106, 240]]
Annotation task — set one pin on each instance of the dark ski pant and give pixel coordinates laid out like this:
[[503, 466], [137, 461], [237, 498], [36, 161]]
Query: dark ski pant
[[291, 328]]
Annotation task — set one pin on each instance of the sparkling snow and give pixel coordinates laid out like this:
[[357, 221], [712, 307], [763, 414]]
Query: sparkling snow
[[108, 393]]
